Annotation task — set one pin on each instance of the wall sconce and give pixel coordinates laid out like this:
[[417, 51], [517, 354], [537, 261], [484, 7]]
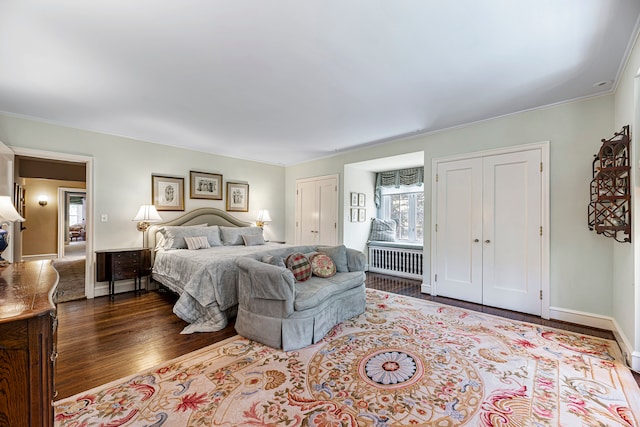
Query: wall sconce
[[43, 200], [263, 216]]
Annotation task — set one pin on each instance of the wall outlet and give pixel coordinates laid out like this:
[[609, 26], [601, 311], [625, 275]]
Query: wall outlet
[[104, 217]]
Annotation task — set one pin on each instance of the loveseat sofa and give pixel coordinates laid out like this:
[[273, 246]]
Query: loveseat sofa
[[279, 311]]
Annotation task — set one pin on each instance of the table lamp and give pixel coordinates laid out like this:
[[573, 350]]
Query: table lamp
[[8, 214], [145, 216], [263, 216]]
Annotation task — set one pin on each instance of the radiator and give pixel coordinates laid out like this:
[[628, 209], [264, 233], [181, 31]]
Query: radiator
[[401, 262]]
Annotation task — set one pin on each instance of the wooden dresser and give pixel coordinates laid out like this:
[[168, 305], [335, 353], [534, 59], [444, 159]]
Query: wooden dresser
[[28, 325]]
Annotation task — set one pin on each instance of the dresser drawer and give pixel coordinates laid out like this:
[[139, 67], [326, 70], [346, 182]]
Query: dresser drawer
[[125, 272], [125, 263], [126, 256]]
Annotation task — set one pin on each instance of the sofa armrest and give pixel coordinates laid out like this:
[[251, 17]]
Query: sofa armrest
[[356, 261], [265, 289]]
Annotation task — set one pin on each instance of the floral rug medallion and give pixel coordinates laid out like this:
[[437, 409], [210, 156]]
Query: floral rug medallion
[[403, 362]]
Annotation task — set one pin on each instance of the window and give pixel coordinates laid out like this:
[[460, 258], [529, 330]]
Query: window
[[75, 214], [405, 206]]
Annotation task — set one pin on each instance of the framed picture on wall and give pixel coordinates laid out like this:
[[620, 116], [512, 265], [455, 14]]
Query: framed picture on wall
[[354, 214], [167, 192], [205, 185], [362, 198], [362, 215], [354, 199], [237, 197]]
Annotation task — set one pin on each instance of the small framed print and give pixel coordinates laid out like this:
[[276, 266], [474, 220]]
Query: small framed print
[[362, 215], [362, 199], [205, 185], [237, 197], [354, 199], [354, 215], [167, 193]]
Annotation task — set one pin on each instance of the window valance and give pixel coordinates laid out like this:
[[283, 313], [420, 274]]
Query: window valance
[[409, 176]]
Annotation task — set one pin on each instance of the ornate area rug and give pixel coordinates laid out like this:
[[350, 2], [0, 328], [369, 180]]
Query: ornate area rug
[[403, 362], [71, 283]]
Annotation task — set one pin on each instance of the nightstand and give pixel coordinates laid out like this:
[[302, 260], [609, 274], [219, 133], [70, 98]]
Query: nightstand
[[121, 264]]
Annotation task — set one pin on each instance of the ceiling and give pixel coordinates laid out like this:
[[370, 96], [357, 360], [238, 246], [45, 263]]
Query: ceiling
[[283, 81]]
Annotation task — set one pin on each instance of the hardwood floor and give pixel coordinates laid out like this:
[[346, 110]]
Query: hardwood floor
[[100, 340]]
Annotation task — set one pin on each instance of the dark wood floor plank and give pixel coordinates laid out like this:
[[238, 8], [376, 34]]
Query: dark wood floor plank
[[101, 340]]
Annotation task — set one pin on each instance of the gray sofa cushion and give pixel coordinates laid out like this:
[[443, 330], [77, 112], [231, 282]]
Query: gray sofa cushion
[[314, 291], [339, 256]]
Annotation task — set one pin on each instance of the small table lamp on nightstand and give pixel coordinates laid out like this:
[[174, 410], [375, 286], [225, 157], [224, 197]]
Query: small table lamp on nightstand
[[8, 214], [263, 217], [145, 216]]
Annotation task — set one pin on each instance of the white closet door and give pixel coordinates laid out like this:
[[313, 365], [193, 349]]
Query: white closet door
[[459, 230], [328, 212], [511, 231], [317, 211], [307, 214]]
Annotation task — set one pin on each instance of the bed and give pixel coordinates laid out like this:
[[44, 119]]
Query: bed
[[205, 279]]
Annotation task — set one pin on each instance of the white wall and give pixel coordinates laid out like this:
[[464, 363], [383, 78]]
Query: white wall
[[581, 262], [581, 267], [359, 181], [122, 176], [626, 267]]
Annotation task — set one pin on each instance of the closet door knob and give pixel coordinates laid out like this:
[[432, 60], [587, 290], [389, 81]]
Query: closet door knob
[[487, 241], [476, 240]]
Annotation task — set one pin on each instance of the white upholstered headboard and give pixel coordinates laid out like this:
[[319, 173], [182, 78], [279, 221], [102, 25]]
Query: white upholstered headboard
[[209, 216]]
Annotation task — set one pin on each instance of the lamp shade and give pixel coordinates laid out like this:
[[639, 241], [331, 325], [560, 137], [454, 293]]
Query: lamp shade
[[147, 213], [263, 216], [7, 211]]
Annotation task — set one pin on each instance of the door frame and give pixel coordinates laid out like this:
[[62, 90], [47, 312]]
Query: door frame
[[62, 212], [89, 284], [543, 146]]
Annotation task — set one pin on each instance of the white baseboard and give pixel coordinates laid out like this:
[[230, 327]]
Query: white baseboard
[[630, 356], [39, 257], [121, 286], [425, 288], [582, 318]]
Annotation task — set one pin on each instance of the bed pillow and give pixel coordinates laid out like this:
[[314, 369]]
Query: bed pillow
[[383, 230], [339, 256], [195, 243], [173, 236], [253, 240], [299, 265], [233, 235], [322, 265]]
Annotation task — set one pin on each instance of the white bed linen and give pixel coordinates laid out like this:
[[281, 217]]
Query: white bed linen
[[206, 281]]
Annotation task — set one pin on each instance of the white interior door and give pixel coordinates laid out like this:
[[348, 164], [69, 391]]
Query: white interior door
[[317, 211], [459, 230], [488, 219], [328, 211], [307, 206], [512, 259]]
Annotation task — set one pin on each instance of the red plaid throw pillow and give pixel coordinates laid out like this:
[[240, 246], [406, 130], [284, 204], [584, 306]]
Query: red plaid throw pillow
[[299, 266]]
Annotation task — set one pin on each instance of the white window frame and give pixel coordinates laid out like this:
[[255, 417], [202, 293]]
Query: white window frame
[[384, 211]]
